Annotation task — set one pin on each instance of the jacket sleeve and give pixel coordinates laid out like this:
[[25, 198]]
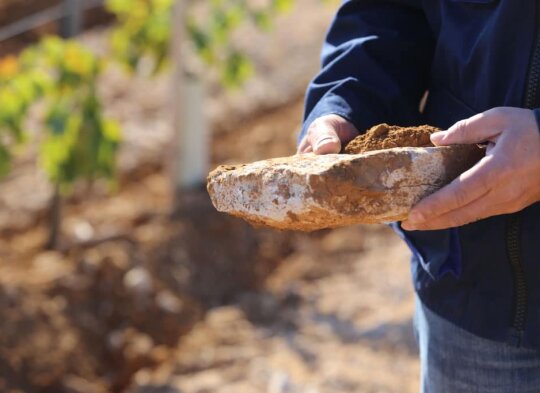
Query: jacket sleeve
[[375, 64], [537, 117]]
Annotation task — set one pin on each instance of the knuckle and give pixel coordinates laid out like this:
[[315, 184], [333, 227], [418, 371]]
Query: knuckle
[[459, 198], [318, 122], [497, 111], [500, 115], [460, 128], [330, 121], [314, 131], [326, 126], [314, 125]]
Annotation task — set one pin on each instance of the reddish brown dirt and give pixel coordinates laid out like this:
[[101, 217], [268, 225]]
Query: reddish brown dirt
[[384, 136]]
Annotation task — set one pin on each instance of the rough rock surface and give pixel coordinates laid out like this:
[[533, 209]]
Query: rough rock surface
[[309, 192]]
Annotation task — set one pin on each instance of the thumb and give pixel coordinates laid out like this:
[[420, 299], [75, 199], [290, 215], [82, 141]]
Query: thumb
[[324, 139], [476, 129]]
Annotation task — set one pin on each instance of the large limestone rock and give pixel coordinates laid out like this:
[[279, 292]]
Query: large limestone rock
[[309, 192]]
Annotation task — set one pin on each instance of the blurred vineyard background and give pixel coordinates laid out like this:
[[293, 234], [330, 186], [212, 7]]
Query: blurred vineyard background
[[116, 274]]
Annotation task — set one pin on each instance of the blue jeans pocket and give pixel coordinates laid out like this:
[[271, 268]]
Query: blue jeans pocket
[[438, 252]]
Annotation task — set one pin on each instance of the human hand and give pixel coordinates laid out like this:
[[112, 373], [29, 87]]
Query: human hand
[[326, 135], [505, 181]]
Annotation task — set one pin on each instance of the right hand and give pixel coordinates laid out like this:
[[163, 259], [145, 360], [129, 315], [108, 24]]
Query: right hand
[[327, 134]]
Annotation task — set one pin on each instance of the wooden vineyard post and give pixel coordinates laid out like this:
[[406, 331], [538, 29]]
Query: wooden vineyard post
[[71, 26], [194, 144], [73, 20], [188, 160]]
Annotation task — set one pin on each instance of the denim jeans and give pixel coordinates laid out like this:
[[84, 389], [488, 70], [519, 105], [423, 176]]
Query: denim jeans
[[456, 361]]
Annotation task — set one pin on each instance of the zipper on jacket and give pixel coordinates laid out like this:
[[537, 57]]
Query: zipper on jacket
[[513, 223], [533, 78], [513, 248]]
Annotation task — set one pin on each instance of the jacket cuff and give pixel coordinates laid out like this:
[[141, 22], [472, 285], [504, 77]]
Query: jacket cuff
[[537, 116]]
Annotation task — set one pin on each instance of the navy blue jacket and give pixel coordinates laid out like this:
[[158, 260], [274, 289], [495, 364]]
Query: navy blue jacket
[[378, 59]]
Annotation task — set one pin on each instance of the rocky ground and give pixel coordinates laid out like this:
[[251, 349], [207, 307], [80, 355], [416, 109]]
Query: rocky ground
[[142, 300], [334, 317]]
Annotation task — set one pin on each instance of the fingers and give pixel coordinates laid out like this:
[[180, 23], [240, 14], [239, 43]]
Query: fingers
[[327, 134], [479, 209], [325, 141], [321, 138], [468, 187], [304, 145], [483, 127], [504, 181], [320, 141]]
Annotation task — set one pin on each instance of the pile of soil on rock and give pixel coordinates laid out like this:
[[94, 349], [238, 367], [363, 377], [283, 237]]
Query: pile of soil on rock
[[384, 136]]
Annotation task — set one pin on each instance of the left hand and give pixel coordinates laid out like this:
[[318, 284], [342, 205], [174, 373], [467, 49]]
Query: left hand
[[505, 181]]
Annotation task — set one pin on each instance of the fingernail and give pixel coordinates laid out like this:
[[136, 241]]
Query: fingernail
[[437, 136], [416, 217], [407, 226], [324, 141]]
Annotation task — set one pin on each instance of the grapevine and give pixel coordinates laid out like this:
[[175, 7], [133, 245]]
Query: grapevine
[[76, 140]]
